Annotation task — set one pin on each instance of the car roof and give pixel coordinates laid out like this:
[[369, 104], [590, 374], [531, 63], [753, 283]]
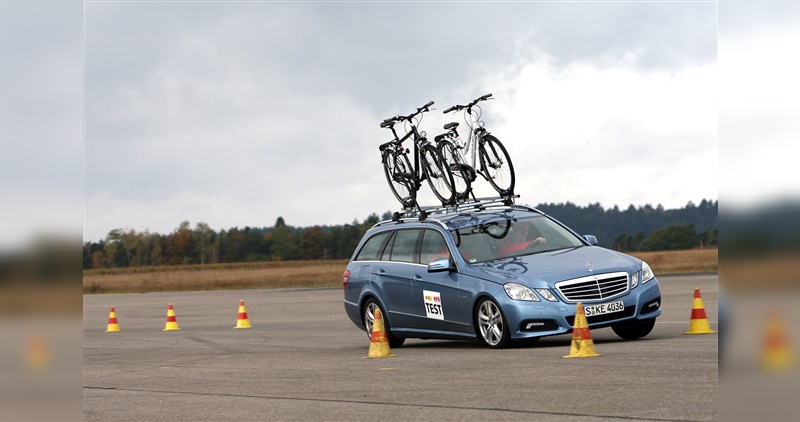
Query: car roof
[[462, 216]]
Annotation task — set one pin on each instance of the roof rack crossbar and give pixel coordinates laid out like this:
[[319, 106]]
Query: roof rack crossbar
[[478, 203]]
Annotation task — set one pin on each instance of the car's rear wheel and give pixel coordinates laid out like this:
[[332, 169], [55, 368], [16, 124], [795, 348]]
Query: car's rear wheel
[[634, 330], [491, 325], [369, 319]]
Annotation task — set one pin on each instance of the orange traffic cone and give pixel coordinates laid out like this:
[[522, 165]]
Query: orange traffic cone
[[776, 355], [113, 326], [243, 322], [172, 324], [582, 345], [378, 343], [699, 322]]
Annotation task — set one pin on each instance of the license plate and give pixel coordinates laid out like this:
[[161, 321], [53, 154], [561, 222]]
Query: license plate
[[603, 308]]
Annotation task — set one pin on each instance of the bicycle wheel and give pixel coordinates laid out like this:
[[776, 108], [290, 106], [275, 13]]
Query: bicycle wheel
[[496, 163], [398, 173], [438, 174], [463, 174]]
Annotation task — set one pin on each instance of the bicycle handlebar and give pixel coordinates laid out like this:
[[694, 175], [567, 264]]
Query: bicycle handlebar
[[390, 121], [468, 106], [430, 103]]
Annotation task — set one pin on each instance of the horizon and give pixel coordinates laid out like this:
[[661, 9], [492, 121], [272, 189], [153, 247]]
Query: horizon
[[193, 224]]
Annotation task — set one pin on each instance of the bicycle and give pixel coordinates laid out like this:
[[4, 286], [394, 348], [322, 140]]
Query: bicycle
[[495, 163], [406, 178]]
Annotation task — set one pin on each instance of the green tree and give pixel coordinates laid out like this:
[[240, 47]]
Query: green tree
[[156, 255], [282, 242], [203, 237], [114, 252], [672, 238]]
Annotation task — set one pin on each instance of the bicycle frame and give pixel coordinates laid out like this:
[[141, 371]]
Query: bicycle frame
[[480, 147], [470, 146], [417, 138]]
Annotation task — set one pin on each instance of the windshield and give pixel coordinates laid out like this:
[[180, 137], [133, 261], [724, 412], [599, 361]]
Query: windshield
[[505, 238]]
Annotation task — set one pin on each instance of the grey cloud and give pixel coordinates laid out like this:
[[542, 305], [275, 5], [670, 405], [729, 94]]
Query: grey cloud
[[387, 53], [268, 98]]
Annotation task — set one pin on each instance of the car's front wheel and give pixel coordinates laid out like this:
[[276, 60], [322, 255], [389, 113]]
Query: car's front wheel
[[492, 329], [634, 330], [369, 319]]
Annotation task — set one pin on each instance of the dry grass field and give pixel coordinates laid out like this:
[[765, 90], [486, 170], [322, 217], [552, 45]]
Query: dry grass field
[[675, 262], [285, 274], [257, 275]]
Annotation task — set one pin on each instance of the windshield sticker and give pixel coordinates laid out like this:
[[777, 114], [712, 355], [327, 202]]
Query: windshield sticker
[[473, 259], [433, 304]]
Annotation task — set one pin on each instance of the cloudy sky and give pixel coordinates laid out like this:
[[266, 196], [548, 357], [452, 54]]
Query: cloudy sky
[[236, 113], [145, 114]]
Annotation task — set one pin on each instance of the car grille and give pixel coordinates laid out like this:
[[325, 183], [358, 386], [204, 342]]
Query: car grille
[[594, 287]]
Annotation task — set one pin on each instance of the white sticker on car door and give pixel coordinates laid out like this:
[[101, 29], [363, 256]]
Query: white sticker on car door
[[433, 304]]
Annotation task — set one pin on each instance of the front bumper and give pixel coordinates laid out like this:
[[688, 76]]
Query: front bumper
[[539, 319]]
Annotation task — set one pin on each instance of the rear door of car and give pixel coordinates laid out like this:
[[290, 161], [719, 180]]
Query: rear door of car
[[393, 272]]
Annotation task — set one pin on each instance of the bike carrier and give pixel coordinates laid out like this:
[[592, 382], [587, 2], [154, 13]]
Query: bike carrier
[[475, 204]]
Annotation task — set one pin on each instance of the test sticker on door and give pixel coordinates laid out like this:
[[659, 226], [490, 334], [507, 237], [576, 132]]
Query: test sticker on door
[[433, 304]]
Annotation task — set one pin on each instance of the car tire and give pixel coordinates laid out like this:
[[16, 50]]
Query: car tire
[[634, 330], [369, 315], [490, 325]]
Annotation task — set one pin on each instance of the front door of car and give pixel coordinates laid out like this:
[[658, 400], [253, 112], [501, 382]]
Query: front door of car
[[436, 299]]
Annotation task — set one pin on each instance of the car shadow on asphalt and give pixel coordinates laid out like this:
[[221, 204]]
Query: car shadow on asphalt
[[560, 341]]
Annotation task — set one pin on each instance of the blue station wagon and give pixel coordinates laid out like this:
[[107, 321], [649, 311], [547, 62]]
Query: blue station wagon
[[499, 273]]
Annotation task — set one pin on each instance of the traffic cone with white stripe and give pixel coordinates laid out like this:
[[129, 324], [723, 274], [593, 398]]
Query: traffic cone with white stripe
[[243, 321], [699, 322], [582, 345], [378, 343], [113, 326], [172, 323]]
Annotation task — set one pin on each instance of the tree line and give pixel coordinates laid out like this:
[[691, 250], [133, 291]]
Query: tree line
[[643, 228]]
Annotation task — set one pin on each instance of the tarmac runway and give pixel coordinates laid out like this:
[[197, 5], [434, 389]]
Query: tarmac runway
[[304, 360]]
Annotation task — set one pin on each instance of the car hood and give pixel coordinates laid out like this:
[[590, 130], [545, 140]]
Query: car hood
[[546, 268]]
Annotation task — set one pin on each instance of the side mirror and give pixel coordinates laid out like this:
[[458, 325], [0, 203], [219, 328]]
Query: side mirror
[[440, 265], [591, 239]]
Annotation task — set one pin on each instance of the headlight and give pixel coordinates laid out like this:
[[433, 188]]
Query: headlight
[[547, 295], [647, 273], [635, 279], [517, 291]]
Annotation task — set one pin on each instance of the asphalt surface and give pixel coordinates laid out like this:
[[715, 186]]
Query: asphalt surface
[[304, 360]]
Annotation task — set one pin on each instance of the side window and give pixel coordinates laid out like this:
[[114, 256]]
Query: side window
[[405, 241], [371, 249], [433, 247]]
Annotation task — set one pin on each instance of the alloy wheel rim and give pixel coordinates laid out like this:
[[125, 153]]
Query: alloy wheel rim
[[491, 323], [369, 318]]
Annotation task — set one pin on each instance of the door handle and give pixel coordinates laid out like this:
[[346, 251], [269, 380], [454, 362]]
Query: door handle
[[417, 277]]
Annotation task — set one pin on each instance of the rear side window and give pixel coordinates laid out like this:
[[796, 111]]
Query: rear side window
[[403, 246], [372, 248]]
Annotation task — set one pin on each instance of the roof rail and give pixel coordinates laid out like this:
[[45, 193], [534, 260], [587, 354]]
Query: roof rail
[[479, 203]]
